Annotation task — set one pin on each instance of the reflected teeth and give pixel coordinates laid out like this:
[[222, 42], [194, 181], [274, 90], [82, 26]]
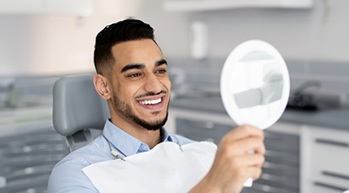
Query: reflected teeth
[[151, 102]]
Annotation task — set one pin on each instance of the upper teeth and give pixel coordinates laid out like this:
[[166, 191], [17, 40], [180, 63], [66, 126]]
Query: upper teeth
[[150, 102]]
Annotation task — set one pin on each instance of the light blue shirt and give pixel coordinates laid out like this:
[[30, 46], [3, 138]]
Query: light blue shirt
[[67, 175]]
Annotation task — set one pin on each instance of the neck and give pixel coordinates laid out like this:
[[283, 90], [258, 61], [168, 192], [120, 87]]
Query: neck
[[149, 137]]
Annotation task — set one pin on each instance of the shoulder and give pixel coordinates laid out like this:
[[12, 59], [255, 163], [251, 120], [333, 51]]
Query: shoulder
[[96, 151], [67, 175]]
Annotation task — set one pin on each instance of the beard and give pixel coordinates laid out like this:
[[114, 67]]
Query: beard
[[124, 109]]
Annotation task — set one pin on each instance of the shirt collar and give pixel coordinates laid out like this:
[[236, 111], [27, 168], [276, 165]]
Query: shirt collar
[[126, 143]]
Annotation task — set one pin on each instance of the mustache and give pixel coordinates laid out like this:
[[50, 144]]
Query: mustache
[[150, 94]]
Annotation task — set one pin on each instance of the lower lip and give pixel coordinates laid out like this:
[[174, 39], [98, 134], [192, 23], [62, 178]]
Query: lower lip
[[154, 107]]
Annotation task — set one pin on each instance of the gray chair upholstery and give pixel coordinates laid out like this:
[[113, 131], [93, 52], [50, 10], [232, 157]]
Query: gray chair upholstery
[[79, 113]]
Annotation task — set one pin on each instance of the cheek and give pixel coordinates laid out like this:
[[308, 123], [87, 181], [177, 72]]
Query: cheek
[[129, 91], [122, 91], [167, 84]]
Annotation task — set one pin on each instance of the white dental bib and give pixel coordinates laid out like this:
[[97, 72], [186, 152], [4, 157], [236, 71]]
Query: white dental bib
[[165, 168]]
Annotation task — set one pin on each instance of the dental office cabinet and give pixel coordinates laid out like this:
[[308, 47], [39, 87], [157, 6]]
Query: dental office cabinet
[[300, 156], [29, 146]]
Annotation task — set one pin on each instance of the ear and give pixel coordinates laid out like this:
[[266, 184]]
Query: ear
[[102, 86]]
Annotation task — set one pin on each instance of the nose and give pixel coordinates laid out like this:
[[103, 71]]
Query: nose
[[152, 84]]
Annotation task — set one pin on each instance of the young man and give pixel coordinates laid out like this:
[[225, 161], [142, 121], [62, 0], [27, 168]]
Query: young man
[[132, 77]]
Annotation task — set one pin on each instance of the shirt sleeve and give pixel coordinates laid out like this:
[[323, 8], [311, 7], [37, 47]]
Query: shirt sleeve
[[68, 177]]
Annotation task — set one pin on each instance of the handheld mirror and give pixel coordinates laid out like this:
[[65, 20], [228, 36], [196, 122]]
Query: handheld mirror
[[255, 85]]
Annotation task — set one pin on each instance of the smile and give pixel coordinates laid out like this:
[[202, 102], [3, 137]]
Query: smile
[[151, 102]]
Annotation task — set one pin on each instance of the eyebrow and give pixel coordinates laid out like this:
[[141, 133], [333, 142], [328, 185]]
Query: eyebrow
[[141, 66], [160, 62], [132, 66]]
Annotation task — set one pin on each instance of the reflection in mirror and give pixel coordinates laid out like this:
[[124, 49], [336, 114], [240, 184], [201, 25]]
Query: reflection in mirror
[[258, 94], [255, 84]]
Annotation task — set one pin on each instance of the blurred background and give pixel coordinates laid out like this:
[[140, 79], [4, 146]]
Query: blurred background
[[307, 150]]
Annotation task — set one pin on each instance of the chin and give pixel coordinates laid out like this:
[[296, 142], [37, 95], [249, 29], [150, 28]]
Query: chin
[[153, 125]]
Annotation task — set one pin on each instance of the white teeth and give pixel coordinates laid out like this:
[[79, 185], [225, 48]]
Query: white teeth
[[151, 102]]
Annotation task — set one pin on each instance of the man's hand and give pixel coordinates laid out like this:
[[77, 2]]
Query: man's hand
[[233, 163]]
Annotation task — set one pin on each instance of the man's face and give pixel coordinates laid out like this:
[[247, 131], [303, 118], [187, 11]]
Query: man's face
[[141, 86]]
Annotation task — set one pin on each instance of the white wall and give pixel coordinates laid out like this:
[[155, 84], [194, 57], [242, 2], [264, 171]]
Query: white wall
[[320, 33], [55, 44], [317, 34], [64, 44]]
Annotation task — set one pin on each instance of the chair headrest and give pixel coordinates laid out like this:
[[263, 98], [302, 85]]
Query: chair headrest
[[77, 105]]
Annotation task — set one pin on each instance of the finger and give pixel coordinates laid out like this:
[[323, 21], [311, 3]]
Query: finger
[[243, 174], [258, 147], [244, 146], [249, 160], [243, 132], [255, 172], [253, 143]]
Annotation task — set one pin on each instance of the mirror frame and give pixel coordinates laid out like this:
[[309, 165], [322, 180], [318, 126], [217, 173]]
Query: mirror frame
[[228, 100]]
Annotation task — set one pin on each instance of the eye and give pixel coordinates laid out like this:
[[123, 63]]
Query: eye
[[162, 71], [134, 75]]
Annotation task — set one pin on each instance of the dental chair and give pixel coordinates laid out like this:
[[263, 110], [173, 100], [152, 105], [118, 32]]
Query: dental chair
[[79, 113]]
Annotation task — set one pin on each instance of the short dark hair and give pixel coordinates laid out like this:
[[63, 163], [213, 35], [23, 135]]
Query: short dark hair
[[122, 31]]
